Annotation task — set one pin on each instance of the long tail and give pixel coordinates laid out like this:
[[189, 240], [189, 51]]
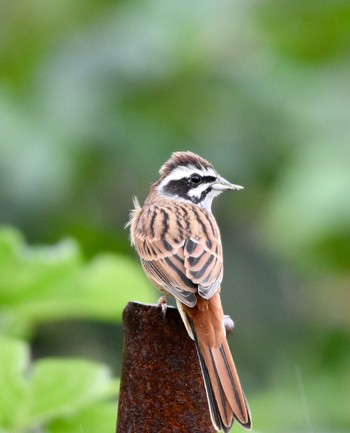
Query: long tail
[[226, 398]]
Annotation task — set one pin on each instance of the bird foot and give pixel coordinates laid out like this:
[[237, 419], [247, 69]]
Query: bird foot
[[229, 325], [162, 303]]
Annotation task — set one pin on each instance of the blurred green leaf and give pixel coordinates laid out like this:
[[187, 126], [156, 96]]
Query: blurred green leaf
[[46, 283], [50, 390], [100, 418], [63, 387], [28, 272], [14, 361], [122, 280]]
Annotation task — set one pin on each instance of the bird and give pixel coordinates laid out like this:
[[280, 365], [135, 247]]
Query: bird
[[178, 242]]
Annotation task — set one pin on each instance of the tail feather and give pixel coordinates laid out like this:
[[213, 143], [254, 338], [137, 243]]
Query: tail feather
[[209, 386], [230, 381], [226, 398]]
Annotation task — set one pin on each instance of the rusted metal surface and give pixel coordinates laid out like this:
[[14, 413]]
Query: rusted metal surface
[[161, 389]]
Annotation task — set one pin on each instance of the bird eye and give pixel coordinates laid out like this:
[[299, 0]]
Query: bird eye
[[195, 179]]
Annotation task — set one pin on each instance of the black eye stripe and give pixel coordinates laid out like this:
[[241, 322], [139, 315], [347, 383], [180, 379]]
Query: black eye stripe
[[181, 187], [206, 179]]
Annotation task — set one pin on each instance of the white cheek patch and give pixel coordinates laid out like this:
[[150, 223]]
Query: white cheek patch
[[197, 191], [206, 203]]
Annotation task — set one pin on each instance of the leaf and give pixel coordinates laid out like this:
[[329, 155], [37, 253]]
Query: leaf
[[27, 272], [60, 387], [122, 280], [99, 418], [14, 361], [46, 283], [52, 389]]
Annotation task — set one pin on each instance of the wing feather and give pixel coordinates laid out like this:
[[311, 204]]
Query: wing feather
[[203, 255], [180, 249]]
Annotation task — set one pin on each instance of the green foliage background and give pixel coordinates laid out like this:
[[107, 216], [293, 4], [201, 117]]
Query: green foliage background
[[94, 97]]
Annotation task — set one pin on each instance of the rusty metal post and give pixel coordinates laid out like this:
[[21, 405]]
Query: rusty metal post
[[162, 389]]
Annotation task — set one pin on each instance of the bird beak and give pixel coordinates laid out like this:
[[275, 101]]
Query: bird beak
[[222, 184]]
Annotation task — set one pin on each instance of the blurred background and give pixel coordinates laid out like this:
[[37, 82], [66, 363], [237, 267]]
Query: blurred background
[[96, 95]]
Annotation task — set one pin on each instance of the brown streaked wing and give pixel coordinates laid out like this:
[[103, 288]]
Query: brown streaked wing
[[180, 249], [170, 274], [158, 233], [159, 239], [203, 253]]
